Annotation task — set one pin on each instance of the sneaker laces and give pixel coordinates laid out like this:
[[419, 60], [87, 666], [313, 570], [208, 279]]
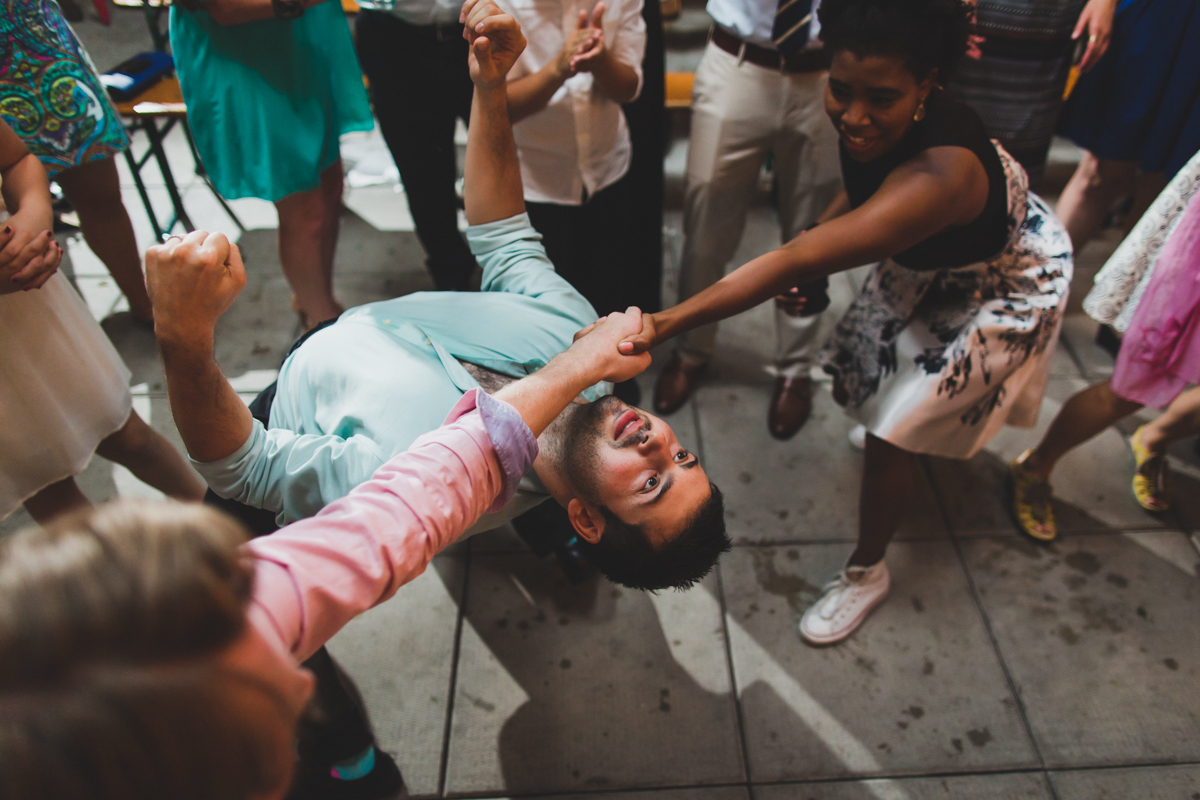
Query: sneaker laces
[[834, 592]]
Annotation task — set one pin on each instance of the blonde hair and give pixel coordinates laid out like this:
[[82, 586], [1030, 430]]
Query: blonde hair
[[108, 622]]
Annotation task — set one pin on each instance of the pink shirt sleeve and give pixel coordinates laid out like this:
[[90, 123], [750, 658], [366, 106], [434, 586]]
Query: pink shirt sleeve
[[314, 576]]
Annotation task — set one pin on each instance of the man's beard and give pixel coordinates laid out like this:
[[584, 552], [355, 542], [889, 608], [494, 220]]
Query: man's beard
[[576, 440]]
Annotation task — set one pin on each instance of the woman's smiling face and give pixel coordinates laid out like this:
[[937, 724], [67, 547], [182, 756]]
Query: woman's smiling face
[[871, 101]]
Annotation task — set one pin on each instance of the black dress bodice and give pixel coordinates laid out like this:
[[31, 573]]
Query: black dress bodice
[[947, 122]]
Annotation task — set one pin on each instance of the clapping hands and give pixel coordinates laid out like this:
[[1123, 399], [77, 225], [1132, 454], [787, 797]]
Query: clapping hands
[[585, 45]]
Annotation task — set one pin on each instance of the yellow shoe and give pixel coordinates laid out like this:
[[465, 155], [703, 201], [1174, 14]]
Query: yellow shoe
[[1152, 481], [1029, 502]]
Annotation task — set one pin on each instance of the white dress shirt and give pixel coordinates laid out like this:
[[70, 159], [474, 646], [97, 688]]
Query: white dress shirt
[[578, 143], [751, 20]]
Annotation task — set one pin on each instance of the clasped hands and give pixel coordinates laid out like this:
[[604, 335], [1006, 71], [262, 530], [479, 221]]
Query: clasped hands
[[637, 337], [28, 256]]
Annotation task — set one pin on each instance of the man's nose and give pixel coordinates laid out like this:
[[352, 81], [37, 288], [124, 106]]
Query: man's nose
[[654, 441]]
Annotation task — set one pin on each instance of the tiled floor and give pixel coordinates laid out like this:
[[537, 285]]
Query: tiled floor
[[997, 669]]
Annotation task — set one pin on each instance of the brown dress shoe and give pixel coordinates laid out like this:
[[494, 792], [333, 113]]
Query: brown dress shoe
[[675, 385], [790, 406]]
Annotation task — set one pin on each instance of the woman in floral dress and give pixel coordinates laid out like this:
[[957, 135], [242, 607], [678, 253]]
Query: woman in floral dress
[[951, 336]]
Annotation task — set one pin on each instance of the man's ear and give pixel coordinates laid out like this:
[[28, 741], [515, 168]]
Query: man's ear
[[587, 520]]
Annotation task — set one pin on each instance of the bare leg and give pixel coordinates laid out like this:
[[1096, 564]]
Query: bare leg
[[887, 486], [152, 459], [94, 191], [308, 229], [1180, 420], [1147, 186], [1090, 194], [55, 499], [1086, 414]]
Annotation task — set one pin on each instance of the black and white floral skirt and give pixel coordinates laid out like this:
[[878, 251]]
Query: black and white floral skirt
[[936, 362]]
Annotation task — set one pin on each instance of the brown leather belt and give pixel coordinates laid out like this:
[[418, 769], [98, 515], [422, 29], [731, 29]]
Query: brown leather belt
[[808, 60]]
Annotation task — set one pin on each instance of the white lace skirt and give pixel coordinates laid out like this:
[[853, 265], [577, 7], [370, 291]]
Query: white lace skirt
[[1126, 274], [63, 389]]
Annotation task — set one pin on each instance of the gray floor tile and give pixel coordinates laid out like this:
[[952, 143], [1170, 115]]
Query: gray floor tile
[[259, 328], [1185, 481], [500, 540], [398, 254], [401, 656], [1079, 336], [575, 688], [1091, 483], [1099, 634], [1143, 783], [697, 793], [1018, 786], [803, 489], [917, 689]]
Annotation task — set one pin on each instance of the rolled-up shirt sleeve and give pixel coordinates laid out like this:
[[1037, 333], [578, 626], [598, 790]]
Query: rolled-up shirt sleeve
[[629, 43], [289, 473], [314, 576]]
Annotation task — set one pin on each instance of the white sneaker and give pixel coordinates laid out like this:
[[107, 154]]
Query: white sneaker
[[858, 437], [845, 604]]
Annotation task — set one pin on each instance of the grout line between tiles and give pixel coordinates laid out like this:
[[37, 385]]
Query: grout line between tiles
[[443, 768], [897, 776], [987, 625], [733, 684], [1050, 789]]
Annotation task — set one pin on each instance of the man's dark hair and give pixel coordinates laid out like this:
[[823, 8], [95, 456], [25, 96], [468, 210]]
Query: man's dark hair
[[927, 34], [626, 557]]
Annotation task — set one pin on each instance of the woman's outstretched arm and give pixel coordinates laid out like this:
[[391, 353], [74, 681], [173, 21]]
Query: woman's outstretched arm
[[944, 187]]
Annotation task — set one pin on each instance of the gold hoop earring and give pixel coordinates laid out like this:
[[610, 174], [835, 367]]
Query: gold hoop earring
[[919, 114]]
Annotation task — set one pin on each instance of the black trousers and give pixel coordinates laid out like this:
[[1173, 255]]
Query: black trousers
[[419, 86], [610, 247]]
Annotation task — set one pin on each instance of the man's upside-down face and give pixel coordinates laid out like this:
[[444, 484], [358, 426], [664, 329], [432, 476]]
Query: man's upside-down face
[[628, 461]]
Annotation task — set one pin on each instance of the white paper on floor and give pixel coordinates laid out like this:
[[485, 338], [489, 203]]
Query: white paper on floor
[[368, 160]]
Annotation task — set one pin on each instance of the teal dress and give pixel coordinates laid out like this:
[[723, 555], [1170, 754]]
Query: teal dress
[[268, 100]]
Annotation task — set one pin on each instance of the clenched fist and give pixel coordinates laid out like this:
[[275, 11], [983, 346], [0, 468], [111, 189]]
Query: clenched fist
[[192, 281]]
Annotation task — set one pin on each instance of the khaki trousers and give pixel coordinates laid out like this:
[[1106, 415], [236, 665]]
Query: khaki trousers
[[740, 112]]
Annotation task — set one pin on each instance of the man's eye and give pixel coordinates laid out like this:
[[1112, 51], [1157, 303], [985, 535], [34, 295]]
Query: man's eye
[[682, 455], [651, 483]]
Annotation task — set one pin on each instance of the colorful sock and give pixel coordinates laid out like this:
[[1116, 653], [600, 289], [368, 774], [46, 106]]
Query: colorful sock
[[354, 768]]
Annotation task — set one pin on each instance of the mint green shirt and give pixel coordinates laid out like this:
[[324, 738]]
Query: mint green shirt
[[363, 389]]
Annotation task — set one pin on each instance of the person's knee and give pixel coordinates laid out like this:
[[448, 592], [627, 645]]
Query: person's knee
[[133, 439], [308, 213], [1102, 175]]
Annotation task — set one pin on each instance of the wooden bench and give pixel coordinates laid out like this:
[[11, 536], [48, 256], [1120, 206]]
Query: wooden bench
[[679, 89]]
